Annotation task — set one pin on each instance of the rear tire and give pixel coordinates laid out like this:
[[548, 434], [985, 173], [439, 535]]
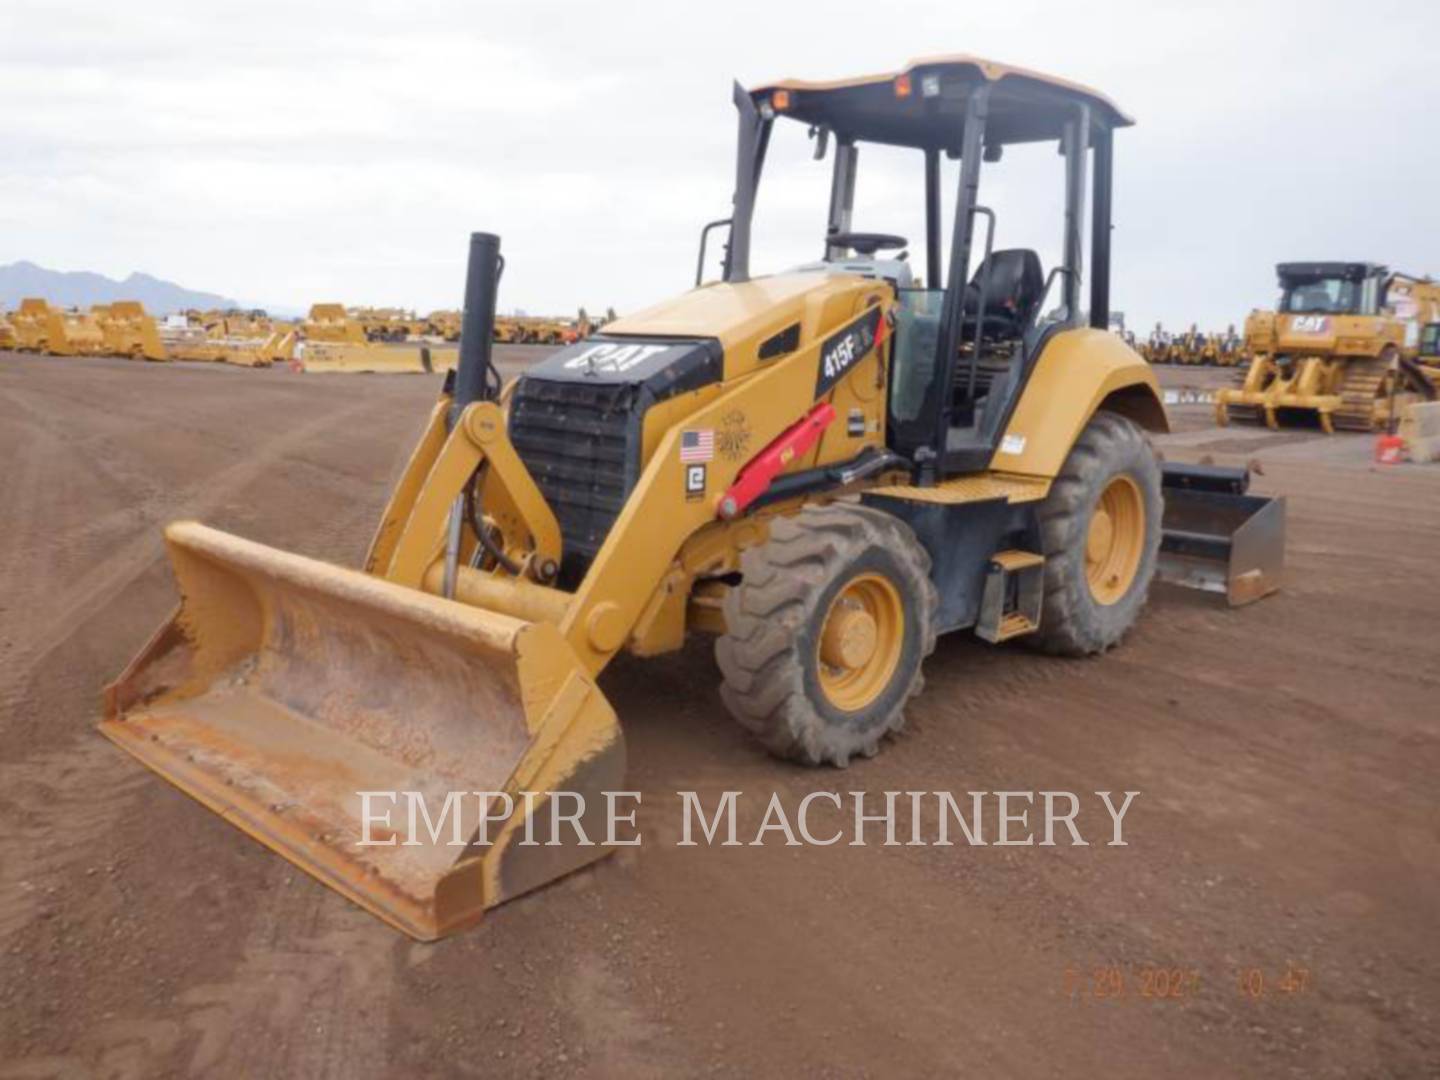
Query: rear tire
[[826, 632], [1100, 535]]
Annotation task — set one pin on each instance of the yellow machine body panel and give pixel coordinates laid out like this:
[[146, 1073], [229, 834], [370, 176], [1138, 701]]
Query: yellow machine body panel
[[742, 316], [1079, 372], [1336, 335]]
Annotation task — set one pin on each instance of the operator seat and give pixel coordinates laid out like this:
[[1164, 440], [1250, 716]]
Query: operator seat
[[1017, 285]]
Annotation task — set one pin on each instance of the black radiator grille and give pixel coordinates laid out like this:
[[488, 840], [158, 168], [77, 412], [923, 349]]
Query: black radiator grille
[[581, 443]]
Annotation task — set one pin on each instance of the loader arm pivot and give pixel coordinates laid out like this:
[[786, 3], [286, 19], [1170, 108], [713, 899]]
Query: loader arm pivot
[[510, 496]]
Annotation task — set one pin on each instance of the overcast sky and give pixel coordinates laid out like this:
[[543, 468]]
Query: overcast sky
[[284, 153]]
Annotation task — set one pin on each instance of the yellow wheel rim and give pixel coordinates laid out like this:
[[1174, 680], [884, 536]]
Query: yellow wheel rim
[[860, 642], [1115, 540]]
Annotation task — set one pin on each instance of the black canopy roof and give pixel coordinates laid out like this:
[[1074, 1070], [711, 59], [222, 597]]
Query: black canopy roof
[[923, 104]]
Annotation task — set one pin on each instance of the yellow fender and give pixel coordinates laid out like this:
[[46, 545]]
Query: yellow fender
[[1079, 372]]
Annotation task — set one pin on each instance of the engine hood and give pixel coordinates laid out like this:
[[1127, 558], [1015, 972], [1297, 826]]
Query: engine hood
[[664, 367]]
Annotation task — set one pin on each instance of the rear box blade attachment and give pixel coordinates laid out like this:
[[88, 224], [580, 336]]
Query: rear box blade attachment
[[1217, 537]]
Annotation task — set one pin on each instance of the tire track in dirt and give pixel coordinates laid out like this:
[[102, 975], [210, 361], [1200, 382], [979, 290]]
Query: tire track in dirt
[[126, 1050], [310, 997], [306, 989], [56, 806], [104, 580], [309, 955], [64, 799]]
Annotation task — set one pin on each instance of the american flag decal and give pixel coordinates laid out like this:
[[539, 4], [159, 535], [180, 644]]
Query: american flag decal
[[697, 447]]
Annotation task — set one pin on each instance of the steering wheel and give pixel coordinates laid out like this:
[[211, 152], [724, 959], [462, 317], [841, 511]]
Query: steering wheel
[[867, 243]]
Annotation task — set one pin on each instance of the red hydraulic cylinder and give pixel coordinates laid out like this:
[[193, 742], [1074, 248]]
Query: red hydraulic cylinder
[[756, 476]]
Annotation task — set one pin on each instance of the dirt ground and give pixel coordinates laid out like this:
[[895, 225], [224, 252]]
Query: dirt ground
[[1286, 755]]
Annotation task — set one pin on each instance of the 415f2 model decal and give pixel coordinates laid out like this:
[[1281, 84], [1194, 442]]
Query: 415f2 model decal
[[846, 348]]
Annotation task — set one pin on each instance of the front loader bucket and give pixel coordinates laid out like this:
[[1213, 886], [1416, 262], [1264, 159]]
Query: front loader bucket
[[283, 687], [1218, 538]]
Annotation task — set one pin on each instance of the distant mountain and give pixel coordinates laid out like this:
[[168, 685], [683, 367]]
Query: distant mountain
[[82, 288]]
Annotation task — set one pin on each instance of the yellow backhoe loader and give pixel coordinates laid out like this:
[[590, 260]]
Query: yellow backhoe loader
[[1188, 347], [1230, 348], [825, 467], [1341, 349], [1154, 348], [1209, 350]]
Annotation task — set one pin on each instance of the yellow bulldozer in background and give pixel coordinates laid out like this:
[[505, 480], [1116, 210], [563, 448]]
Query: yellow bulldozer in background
[[31, 322], [75, 333], [126, 330], [824, 468], [242, 338], [331, 340], [392, 325], [444, 325], [1341, 349]]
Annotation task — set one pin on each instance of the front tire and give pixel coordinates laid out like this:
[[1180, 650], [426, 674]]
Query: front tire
[[1100, 535], [826, 632]]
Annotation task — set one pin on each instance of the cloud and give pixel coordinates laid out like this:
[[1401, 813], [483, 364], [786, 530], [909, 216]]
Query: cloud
[[288, 152]]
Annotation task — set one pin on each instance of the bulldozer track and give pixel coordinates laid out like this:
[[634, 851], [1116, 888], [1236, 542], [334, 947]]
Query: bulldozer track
[[1363, 382]]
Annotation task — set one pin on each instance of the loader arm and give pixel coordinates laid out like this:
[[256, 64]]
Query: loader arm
[[639, 551], [409, 543]]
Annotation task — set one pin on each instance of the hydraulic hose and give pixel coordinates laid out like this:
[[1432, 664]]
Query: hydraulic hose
[[472, 513]]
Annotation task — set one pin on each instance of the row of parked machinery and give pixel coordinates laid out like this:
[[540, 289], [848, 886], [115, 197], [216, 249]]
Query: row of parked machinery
[[1193, 347], [330, 337]]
